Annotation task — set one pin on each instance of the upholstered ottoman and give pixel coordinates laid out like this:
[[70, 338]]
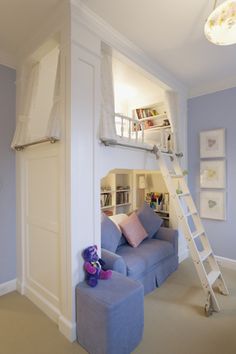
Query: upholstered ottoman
[[110, 317]]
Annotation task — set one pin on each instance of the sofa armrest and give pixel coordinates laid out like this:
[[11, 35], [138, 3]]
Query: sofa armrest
[[113, 261], [168, 234]]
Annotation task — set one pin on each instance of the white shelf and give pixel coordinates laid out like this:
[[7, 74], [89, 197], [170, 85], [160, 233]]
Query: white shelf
[[161, 211], [154, 128], [107, 207], [123, 190], [117, 185], [108, 191], [159, 116], [120, 205]]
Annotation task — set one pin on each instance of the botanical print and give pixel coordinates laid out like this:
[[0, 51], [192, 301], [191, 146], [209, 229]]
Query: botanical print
[[212, 143], [212, 205], [212, 174]]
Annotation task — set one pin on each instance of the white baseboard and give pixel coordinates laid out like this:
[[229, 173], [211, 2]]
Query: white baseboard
[[67, 328], [183, 254], [226, 262], [20, 287], [50, 310], [7, 287]]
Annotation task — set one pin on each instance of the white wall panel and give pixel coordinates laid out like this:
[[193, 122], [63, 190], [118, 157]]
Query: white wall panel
[[42, 238]]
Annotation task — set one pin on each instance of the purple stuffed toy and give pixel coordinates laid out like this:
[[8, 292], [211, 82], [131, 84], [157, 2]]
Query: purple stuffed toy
[[93, 266]]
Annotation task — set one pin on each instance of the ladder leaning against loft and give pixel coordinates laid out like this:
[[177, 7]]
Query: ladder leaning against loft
[[204, 260], [192, 227]]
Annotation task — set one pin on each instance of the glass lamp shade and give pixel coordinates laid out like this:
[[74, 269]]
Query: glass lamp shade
[[220, 27]]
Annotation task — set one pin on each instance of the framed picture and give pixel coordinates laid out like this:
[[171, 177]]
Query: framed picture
[[212, 143], [212, 174], [212, 205]]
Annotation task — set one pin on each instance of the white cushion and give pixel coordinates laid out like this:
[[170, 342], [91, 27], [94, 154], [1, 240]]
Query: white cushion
[[118, 218]]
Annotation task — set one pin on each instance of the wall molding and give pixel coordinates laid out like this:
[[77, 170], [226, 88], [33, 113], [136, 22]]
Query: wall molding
[[67, 328], [43, 304], [226, 262], [7, 287], [82, 14], [183, 254]]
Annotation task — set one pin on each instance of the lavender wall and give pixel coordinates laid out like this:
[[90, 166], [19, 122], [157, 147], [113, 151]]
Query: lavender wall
[[212, 111], [7, 176]]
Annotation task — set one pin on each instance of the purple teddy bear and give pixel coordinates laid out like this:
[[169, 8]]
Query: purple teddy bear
[[93, 266]]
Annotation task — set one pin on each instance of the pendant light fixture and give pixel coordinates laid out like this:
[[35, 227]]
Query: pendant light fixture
[[220, 27]]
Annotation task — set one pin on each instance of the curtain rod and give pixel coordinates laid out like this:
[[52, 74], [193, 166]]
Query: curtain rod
[[51, 139]]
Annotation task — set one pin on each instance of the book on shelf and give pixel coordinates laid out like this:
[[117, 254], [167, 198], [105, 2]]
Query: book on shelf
[[105, 199], [146, 112], [122, 197]]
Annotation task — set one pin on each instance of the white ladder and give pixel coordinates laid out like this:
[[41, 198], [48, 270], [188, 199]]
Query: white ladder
[[192, 227]]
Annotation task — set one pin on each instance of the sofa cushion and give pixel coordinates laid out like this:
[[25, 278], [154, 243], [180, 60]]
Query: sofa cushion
[[133, 230], [145, 257], [110, 234], [117, 219], [149, 219]]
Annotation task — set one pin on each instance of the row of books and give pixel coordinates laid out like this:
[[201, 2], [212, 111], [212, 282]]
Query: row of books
[[105, 199], [122, 197], [146, 112]]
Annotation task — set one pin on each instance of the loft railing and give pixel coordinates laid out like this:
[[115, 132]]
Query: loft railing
[[130, 128], [136, 131]]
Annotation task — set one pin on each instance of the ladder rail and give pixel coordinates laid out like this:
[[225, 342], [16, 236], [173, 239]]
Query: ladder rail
[[185, 208]]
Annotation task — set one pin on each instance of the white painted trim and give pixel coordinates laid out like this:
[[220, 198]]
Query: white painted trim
[[67, 328], [50, 310], [226, 262], [183, 254], [20, 287], [7, 287], [95, 24]]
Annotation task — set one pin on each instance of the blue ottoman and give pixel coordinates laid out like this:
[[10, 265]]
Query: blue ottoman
[[110, 317]]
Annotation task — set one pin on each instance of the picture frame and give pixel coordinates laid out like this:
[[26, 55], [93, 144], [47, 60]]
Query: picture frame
[[212, 143], [212, 205], [212, 174]]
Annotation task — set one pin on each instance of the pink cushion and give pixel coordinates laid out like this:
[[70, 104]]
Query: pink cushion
[[133, 230]]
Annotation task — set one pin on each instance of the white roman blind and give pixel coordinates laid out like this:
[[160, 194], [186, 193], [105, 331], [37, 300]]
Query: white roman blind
[[40, 116]]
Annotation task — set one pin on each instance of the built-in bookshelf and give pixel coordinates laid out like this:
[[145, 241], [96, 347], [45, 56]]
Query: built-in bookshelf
[[156, 125], [153, 116], [116, 192]]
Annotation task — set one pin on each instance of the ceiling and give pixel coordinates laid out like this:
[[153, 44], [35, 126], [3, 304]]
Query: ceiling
[[170, 32], [18, 20]]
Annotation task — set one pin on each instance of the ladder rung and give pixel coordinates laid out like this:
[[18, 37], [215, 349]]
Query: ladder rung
[[167, 153], [176, 176], [180, 195], [213, 276], [205, 254], [191, 213], [197, 233]]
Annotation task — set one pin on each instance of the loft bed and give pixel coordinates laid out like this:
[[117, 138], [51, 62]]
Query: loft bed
[[143, 127]]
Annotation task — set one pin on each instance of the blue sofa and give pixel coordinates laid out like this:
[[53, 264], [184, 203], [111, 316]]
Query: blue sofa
[[152, 261]]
